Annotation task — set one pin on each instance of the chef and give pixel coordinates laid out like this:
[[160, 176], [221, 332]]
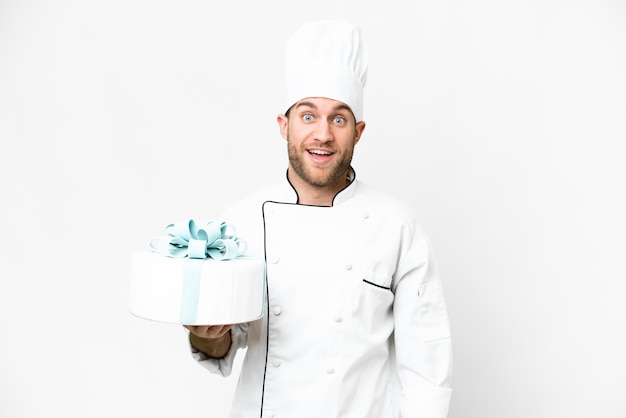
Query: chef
[[356, 323]]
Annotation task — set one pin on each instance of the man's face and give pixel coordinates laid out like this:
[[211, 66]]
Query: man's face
[[321, 134]]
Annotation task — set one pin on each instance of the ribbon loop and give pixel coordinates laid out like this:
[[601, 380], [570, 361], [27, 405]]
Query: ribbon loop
[[210, 232]]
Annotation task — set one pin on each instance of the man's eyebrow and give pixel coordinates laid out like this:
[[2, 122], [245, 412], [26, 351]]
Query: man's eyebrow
[[342, 106], [308, 104]]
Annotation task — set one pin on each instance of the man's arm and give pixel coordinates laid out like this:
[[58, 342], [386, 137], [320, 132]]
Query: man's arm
[[422, 332], [214, 341]]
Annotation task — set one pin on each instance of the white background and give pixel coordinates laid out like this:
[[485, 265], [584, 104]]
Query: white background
[[502, 123]]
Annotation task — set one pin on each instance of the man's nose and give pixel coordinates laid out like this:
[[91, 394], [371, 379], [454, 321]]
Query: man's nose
[[323, 132]]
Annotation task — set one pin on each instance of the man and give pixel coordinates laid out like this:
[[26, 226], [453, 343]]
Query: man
[[356, 323]]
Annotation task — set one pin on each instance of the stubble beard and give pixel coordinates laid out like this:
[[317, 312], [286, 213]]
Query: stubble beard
[[329, 176]]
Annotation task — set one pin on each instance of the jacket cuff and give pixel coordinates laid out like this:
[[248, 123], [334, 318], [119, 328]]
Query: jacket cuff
[[425, 402]]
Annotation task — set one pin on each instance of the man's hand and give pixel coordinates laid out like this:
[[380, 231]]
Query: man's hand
[[212, 340]]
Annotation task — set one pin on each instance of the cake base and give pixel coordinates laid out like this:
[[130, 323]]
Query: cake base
[[196, 291]]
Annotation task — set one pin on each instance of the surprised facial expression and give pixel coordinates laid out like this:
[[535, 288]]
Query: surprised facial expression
[[321, 134]]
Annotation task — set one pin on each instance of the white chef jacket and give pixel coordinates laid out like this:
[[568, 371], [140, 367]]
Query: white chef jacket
[[356, 323]]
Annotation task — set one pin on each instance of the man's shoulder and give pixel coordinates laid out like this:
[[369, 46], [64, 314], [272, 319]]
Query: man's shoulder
[[387, 208], [383, 200]]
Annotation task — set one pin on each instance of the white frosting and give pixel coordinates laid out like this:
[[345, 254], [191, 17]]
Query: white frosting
[[230, 291]]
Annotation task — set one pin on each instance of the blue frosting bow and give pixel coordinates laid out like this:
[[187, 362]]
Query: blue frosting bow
[[214, 239]]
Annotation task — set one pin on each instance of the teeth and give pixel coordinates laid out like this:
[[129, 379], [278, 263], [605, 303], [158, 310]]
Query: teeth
[[319, 152]]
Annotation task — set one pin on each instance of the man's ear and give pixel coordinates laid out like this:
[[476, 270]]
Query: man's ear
[[283, 125], [358, 131]]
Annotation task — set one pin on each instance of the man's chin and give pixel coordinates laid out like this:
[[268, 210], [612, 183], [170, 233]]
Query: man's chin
[[323, 179]]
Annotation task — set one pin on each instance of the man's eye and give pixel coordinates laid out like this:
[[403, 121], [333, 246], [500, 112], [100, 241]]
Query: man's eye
[[307, 117], [339, 120]]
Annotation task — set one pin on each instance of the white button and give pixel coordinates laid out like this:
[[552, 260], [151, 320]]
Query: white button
[[275, 363], [338, 318], [348, 266], [330, 370], [275, 260], [366, 215], [276, 310]]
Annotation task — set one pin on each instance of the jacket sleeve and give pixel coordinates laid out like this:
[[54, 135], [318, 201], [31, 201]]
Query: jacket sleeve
[[422, 332], [223, 366]]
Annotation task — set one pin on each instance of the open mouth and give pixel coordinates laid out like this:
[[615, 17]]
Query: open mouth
[[319, 152], [320, 156]]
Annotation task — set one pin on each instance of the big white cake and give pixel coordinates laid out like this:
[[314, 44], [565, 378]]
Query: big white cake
[[172, 286]]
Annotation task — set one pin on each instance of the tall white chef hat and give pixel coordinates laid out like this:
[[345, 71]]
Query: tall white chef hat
[[327, 58]]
